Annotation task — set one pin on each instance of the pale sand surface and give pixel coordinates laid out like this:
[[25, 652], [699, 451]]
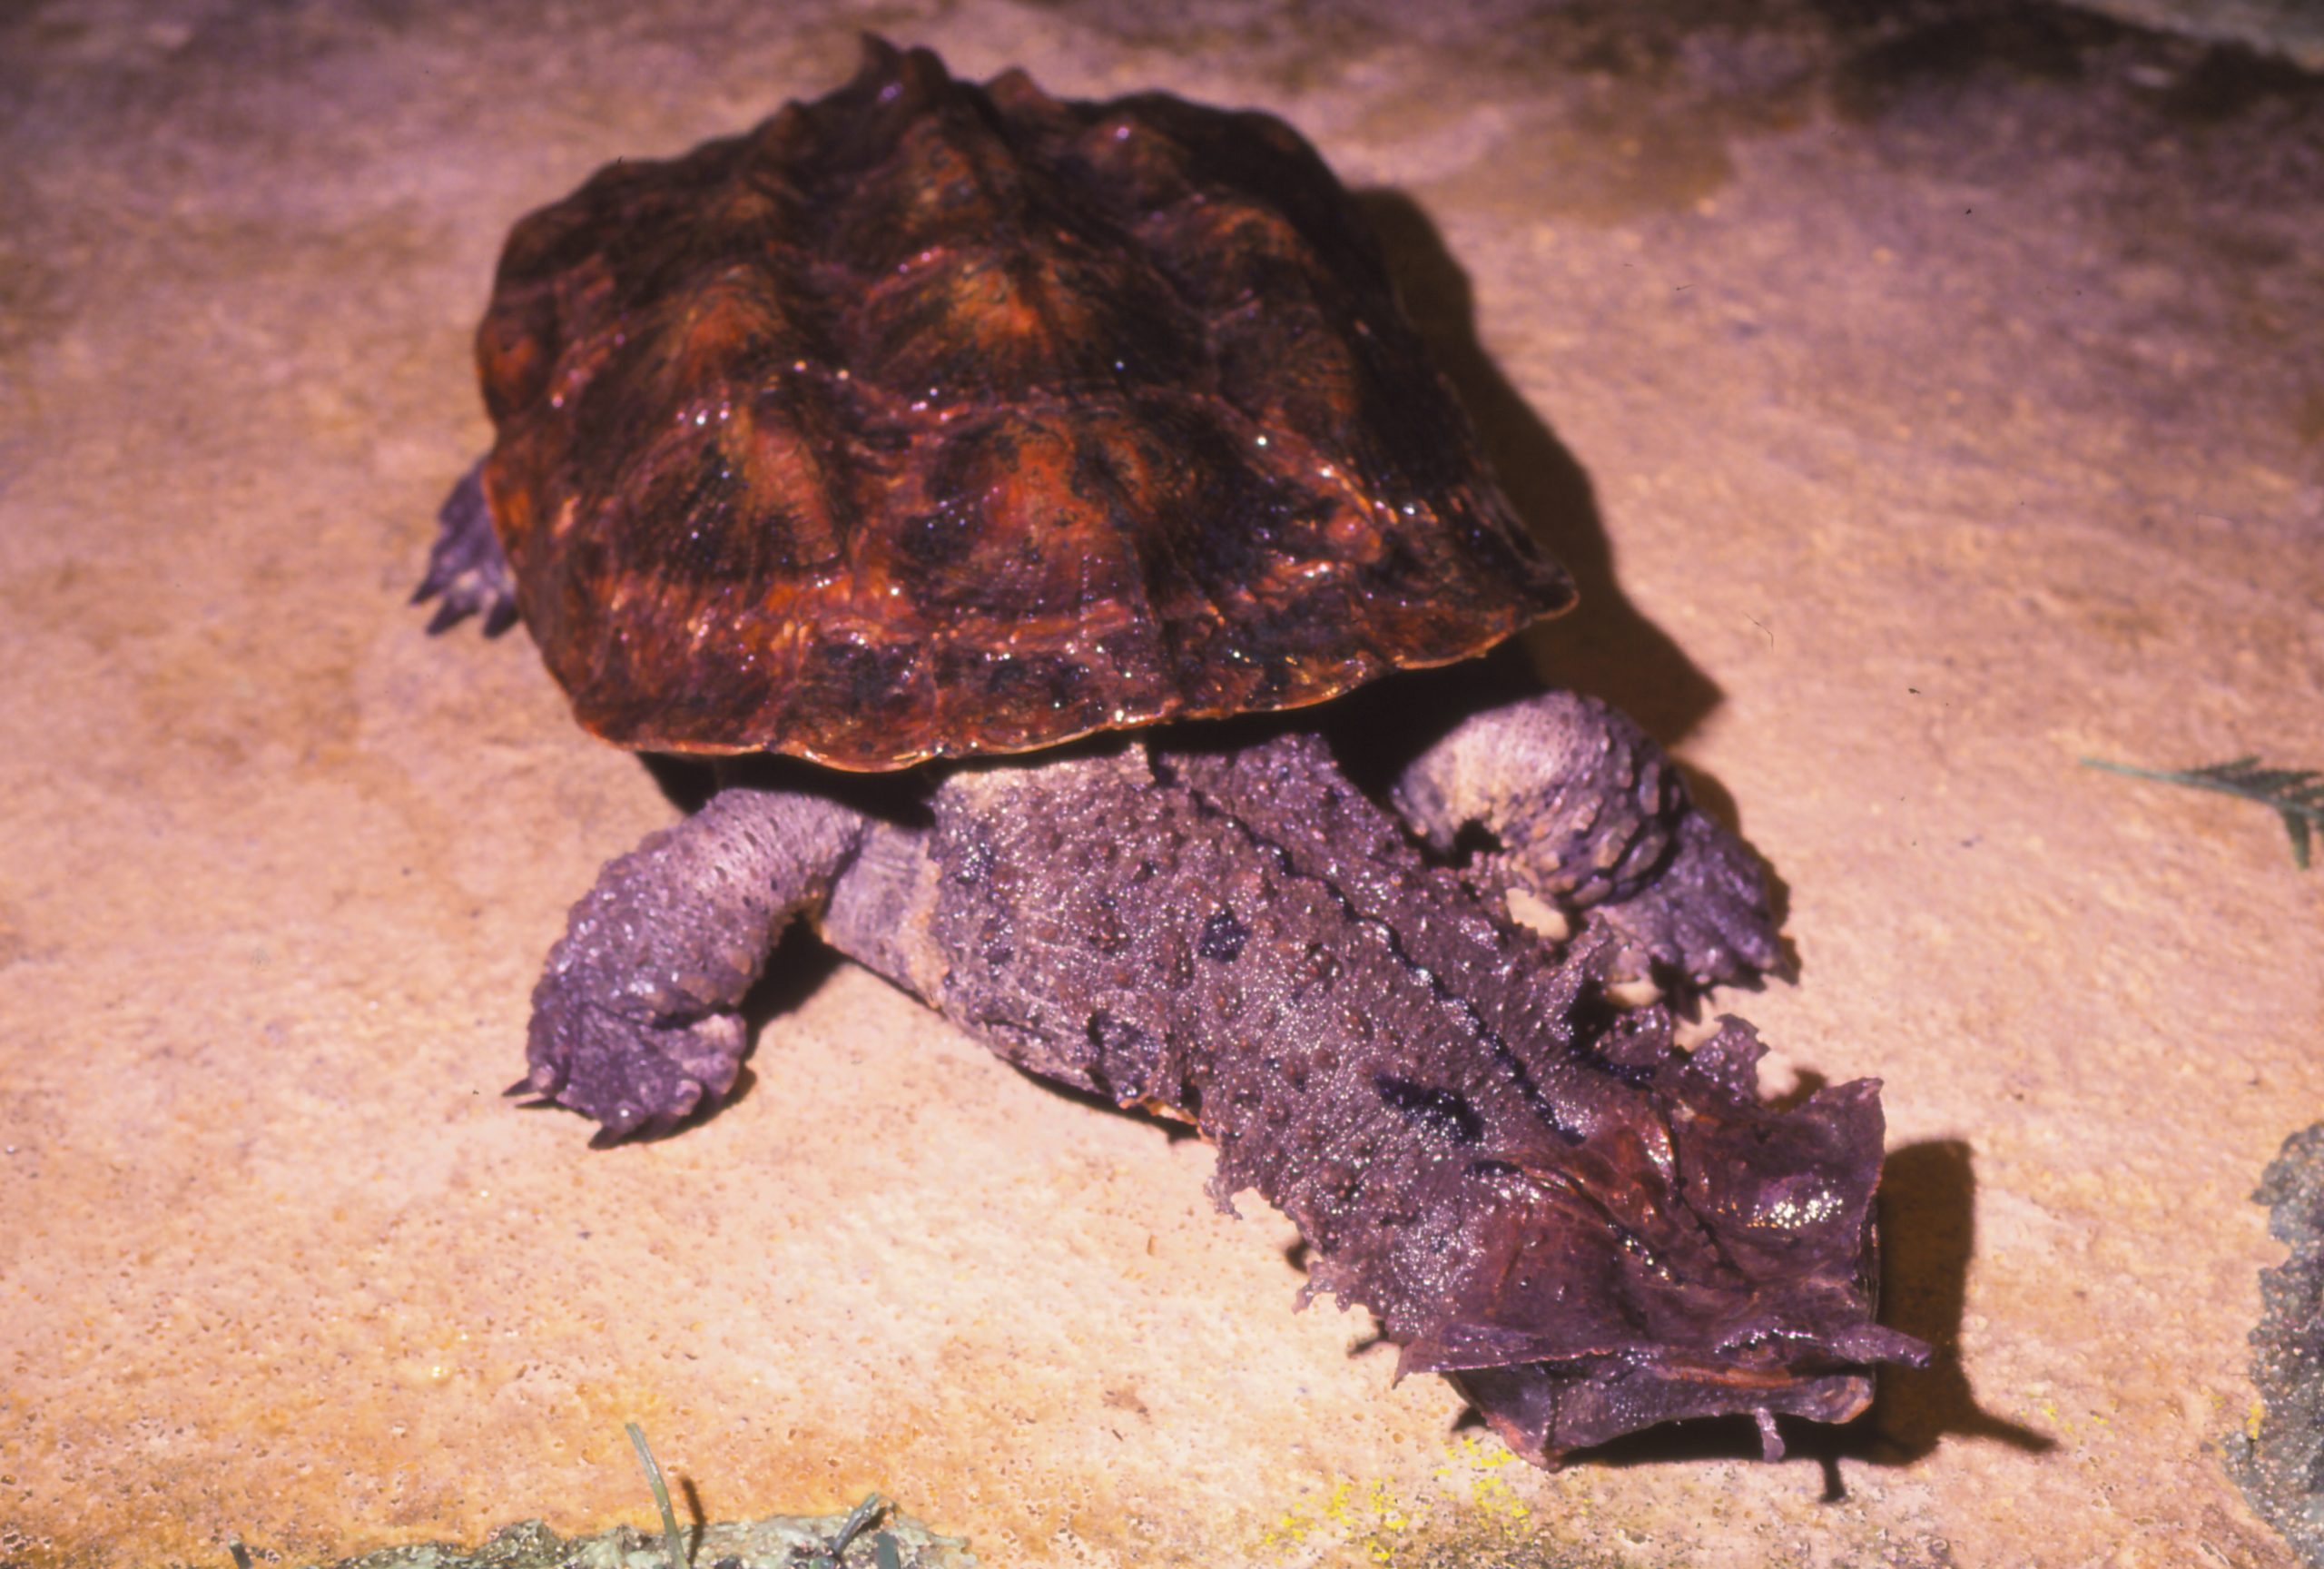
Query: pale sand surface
[[1921, 411]]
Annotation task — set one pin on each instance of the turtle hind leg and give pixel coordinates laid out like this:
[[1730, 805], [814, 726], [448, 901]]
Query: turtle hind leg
[[465, 565], [1567, 807]]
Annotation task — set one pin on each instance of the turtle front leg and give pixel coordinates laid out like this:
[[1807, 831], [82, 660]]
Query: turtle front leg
[[1590, 823], [634, 1020], [466, 565]]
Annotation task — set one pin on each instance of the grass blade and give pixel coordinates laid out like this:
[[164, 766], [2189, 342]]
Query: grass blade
[[2295, 795], [670, 1537], [862, 1515]]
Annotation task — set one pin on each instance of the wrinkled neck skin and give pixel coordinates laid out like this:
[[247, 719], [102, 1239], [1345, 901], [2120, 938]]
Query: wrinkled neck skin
[[1590, 1231]]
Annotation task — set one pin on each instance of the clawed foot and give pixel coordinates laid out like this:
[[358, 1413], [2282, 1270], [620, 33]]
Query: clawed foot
[[1702, 920], [465, 565], [1588, 820], [636, 1019], [637, 1077]]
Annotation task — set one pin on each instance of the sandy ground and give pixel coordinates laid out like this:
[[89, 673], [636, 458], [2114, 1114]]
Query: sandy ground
[[1922, 403]]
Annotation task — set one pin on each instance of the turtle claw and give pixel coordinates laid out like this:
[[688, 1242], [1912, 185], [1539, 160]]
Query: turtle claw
[[1703, 920], [465, 565], [636, 1077]]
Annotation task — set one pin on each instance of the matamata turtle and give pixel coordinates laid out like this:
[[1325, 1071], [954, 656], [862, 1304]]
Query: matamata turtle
[[935, 421]]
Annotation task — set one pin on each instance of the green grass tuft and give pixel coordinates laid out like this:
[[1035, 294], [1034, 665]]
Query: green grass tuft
[[885, 1551], [2294, 794]]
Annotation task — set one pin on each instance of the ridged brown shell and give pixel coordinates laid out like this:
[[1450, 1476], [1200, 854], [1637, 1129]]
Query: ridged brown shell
[[931, 418]]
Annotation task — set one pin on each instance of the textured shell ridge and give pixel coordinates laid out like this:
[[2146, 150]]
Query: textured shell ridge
[[928, 419]]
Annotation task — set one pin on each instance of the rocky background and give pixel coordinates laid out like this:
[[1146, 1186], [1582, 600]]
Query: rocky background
[[1926, 395]]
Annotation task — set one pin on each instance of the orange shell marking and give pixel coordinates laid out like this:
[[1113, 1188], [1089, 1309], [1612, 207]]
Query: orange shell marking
[[931, 418]]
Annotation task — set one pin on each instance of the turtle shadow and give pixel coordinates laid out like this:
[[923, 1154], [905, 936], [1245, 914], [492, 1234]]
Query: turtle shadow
[[1605, 647], [1927, 1233], [686, 783]]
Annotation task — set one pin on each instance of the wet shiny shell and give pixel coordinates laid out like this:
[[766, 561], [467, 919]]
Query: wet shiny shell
[[931, 418]]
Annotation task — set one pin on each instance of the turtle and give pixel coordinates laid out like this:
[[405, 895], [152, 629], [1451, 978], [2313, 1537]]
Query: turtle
[[991, 487]]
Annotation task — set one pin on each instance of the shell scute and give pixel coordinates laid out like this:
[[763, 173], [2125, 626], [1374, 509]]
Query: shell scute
[[928, 418]]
